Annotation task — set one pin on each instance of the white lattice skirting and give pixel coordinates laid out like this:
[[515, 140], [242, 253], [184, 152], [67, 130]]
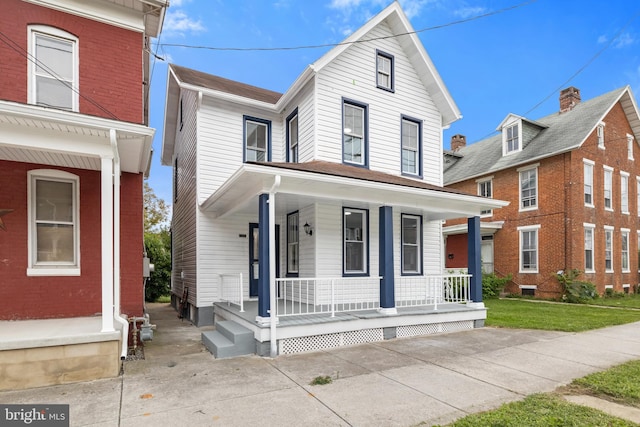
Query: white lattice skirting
[[326, 341], [433, 328]]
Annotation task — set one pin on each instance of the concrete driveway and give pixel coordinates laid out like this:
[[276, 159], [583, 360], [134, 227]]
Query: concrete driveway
[[401, 382]]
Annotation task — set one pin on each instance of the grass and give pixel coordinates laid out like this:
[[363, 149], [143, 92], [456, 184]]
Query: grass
[[322, 380], [541, 410], [619, 384], [164, 299], [619, 300], [530, 314]]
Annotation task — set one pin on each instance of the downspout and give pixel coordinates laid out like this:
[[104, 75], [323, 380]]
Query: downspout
[[116, 246], [272, 265]]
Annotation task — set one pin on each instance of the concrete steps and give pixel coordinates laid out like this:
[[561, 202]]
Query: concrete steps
[[229, 340]]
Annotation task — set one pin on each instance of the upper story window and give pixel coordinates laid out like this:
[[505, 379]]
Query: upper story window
[[638, 198], [411, 146], [54, 242], [53, 68], [293, 244], [384, 71], [257, 140], [355, 241], [588, 182], [528, 188], [292, 137], [624, 192], [600, 133], [511, 139], [630, 140], [529, 249], [485, 189], [608, 186], [411, 244], [355, 133]]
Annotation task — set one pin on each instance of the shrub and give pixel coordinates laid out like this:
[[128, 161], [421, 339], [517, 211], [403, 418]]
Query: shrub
[[492, 285], [576, 291]]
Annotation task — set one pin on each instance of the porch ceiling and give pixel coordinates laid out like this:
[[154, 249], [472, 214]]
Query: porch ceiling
[[296, 188], [47, 136]]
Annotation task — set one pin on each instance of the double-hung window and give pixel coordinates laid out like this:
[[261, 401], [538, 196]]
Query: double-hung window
[[293, 244], [630, 140], [624, 254], [624, 192], [529, 248], [511, 139], [588, 248], [257, 140], [384, 71], [354, 134], [608, 185], [528, 188], [355, 241], [411, 244], [485, 189], [608, 248], [292, 137], [53, 223], [600, 134], [411, 146], [53, 68], [588, 182]]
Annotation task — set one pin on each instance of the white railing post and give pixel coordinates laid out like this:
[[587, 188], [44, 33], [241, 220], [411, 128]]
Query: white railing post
[[240, 296], [333, 299]]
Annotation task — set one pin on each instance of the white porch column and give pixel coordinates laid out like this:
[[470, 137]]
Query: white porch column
[[106, 220]]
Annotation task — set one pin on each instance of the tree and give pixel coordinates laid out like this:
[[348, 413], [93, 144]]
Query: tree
[[157, 243]]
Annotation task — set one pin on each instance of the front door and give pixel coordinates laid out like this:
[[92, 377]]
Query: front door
[[254, 257], [486, 254]]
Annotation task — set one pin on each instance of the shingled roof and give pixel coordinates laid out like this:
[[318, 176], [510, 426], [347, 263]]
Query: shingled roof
[[561, 133]]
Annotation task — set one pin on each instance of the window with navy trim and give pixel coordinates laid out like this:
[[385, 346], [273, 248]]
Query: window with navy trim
[[384, 71], [257, 140], [292, 137], [355, 241], [355, 129], [411, 244], [293, 244], [411, 146]]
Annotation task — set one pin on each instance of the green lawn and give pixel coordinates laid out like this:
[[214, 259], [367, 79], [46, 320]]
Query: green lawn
[[532, 314], [620, 384], [625, 301]]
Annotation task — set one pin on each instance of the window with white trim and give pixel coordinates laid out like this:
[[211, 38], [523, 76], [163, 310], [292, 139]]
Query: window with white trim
[[384, 71], [411, 146], [411, 244], [529, 189], [624, 254], [354, 137], [638, 232], [600, 133], [624, 192], [588, 182], [292, 137], [638, 196], [529, 249], [54, 241], [257, 140], [53, 70], [630, 140], [485, 189], [589, 266], [355, 241], [608, 185], [293, 244], [608, 249], [511, 137]]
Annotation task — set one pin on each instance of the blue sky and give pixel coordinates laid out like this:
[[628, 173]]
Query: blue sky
[[508, 62]]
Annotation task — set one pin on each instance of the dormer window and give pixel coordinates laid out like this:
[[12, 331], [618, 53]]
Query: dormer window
[[512, 139], [384, 71], [600, 133]]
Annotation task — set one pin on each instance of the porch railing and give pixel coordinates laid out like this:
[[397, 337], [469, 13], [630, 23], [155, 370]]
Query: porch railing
[[231, 289], [416, 291], [300, 296]]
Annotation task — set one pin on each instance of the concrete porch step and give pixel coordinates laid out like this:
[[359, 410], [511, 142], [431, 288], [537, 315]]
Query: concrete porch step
[[229, 340]]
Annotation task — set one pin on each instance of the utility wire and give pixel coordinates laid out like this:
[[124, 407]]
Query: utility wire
[[317, 46]]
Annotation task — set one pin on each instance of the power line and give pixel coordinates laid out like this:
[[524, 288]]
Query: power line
[[318, 46]]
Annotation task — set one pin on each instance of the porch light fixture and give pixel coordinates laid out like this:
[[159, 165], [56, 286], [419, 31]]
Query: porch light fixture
[[307, 229]]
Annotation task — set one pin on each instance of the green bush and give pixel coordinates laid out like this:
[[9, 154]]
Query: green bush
[[576, 291], [492, 285], [158, 246]]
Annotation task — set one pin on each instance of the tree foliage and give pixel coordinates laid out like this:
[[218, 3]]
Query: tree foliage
[[157, 243], [156, 211]]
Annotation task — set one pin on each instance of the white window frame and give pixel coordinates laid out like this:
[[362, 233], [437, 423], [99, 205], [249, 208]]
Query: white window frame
[[527, 170], [608, 186], [351, 133], [362, 238], [417, 150], [293, 138], [293, 243], [608, 248], [36, 268], [266, 124], [74, 83], [624, 192], [382, 73], [600, 135], [508, 137], [589, 229], [417, 244], [588, 182], [624, 252], [482, 192], [630, 140], [529, 229]]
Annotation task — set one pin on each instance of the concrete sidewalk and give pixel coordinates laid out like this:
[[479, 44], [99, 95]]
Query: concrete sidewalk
[[401, 382]]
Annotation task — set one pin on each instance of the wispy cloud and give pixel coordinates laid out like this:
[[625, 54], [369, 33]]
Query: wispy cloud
[[469, 11], [603, 39], [177, 22], [624, 40]]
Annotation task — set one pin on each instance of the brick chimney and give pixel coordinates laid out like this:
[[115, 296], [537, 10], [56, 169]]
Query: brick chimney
[[569, 98], [458, 142]]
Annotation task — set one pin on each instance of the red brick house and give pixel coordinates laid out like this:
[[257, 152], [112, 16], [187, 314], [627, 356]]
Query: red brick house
[[574, 185], [74, 149]]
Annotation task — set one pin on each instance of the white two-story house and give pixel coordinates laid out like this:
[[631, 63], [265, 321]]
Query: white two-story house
[[293, 211]]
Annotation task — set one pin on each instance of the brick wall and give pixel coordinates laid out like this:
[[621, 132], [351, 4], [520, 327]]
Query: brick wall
[[110, 60]]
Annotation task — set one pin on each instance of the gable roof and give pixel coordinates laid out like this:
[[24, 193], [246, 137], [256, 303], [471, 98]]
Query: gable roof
[[561, 133]]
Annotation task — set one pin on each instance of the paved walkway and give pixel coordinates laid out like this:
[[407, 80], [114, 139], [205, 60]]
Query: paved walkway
[[399, 382]]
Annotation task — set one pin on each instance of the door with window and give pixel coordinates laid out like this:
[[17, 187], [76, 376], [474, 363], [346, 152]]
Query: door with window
[[486, 254], [254, 257]]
